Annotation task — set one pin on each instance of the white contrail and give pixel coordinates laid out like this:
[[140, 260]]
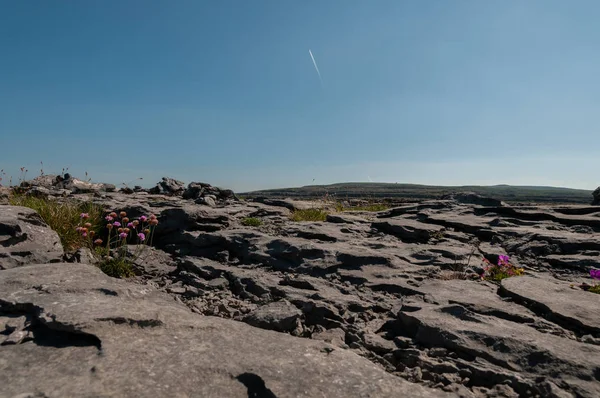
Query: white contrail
[[315, 64]]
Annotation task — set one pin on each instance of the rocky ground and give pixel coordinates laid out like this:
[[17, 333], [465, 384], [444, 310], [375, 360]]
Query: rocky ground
[[363, 304]]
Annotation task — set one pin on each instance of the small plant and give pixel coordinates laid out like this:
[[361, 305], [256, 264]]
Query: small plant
[[113, 254], [23, 175], [309, 215], [459, 270], [63, 217], [594, 274], [438, 235], [504, 269], [252, 222]]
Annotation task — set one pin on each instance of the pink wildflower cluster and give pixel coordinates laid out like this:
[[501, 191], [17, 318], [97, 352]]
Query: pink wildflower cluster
[[125, 227], [85, 229], [503, 269]]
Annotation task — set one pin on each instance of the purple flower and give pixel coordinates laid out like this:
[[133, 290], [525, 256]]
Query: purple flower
[[84, 234], [595, 273], [123, 235], [108, 218], [503, 259], [130, 225], [117, 224], [84, 215], [143, 218], [142, 236]]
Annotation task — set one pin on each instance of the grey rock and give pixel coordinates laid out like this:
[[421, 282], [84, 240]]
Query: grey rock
[[573, 309], [104, 337], [473, 198], [195, 190], [39, 192], [82, 255], [208, 200], [4, 195], [168, 186], [378, 344], [335, 336], [25, 238], [280, 316], [408, 230]]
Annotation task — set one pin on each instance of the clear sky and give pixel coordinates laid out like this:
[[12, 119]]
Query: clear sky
[[225, 92]]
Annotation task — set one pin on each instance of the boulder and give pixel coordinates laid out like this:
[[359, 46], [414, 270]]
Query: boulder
[[168, 186], [25, 238], [195, 190], [69, 330], [279, 315]]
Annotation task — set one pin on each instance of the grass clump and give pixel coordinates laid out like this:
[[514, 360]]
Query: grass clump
[[372, 207], [63, 216], [375, 207], [117, 268], [252, 222], [309, 215]]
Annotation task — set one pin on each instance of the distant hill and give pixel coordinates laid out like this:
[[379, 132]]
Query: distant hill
[[379, 191]]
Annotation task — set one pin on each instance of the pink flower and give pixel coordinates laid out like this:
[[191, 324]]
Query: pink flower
[[108, 218], [502, 259], [84, 234], [143, 218], [84, 215], [123, 235], [142, 236], [117, 224], [595, 273], [78, 229], [130, 225]]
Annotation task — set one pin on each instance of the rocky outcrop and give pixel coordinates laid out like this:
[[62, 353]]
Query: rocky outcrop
[[60, 185], [168, 186], [82, 333], [25, 238], [399, 288]]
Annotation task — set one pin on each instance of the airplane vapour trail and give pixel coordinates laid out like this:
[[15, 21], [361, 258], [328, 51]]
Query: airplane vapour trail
[[315, 64]]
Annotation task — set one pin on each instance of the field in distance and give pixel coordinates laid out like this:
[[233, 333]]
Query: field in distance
[[416, 192]]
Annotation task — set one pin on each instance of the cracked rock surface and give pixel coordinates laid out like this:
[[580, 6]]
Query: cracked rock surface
[[69, 330], [363, 304]]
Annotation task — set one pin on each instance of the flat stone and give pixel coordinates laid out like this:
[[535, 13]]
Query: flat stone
[[25, 238], [573, 308], [100, 336], [279, 315]]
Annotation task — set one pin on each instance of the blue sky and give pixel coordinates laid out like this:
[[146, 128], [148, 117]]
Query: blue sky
[[224, 92]]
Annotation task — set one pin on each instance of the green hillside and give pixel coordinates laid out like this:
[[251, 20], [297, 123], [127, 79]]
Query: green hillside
[[380, 191]]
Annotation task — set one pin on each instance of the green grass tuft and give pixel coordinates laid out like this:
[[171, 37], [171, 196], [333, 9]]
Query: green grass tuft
[[117, 268], [309, 215], [372, 207], [62, 216], [594, 289], [252, 222]]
